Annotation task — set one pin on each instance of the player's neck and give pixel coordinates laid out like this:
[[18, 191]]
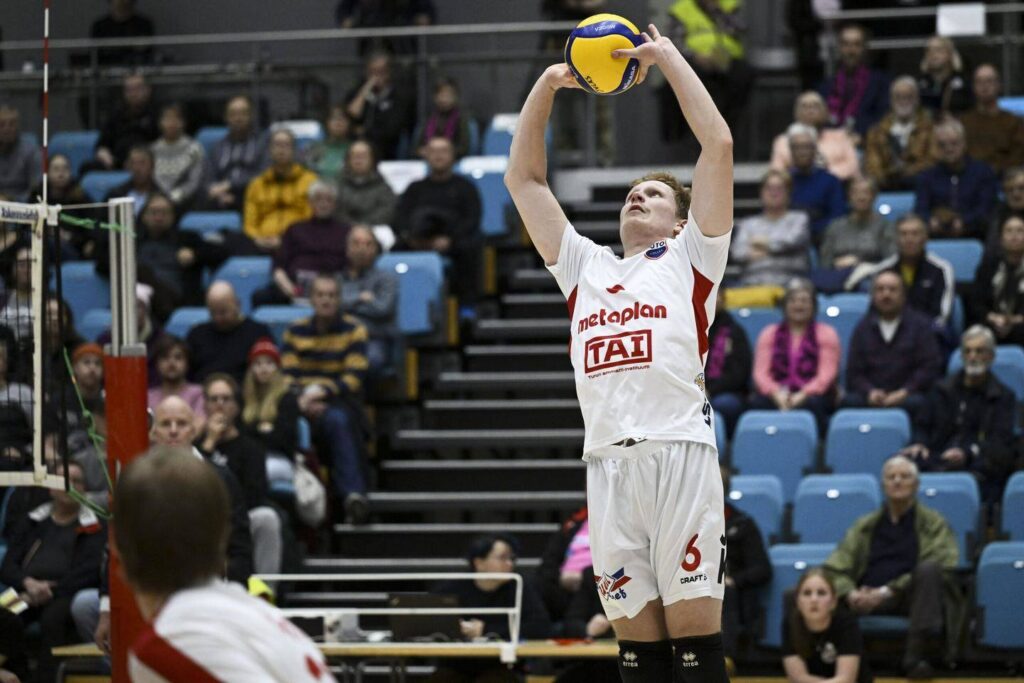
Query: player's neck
[[149, 604]]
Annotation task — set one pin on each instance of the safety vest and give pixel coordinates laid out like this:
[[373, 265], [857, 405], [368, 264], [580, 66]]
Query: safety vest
[[702, 36]]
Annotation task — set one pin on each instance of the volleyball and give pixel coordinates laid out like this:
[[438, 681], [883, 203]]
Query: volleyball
[[588, 52]]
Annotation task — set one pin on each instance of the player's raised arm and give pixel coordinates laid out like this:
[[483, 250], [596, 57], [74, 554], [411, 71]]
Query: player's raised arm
[[526, 177], [712, 188]]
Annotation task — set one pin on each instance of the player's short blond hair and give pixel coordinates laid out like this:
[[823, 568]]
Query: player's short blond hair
[[680, 191]]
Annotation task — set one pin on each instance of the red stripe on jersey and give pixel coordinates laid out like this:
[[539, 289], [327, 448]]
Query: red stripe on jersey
[[167, 660], [571, 303], [701, 291]]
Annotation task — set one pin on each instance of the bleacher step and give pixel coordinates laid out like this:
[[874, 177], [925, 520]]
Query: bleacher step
[[528, 357], [507, 382], [418, 501], [522, 328], [541, 413], [562, 474], [447, 439], [533, 279], [534, 305], [446, 540]]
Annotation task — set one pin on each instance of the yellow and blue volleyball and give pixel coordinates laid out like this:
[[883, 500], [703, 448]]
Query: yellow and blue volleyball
[[588, 52]]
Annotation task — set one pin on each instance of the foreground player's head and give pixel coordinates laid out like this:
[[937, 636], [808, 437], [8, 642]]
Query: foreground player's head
[[172, 525], [655, 209]]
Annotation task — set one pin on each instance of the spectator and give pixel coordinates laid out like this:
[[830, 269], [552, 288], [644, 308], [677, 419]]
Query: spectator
[[819, 641], [585, 619], [381, 110], [133, 123], [16, 314], [85, 396], [222, 344], [371, 14], [956, 196], [172, 367], [565, 567], [236, 159], [994, 136], [90, 454], [814, 189], [999, 286], [370, 294], [729, 366], [893, 358], [270, 411], [325, 355], [140, 187], [856, 94], [363, 194], [900, 146], [312, 246], [442, 213], [943, 87], [835, 145], [62, 188], [1011, 205], [447, 120], [177, 158], [796, 362], [277, 197], [325, 158], [123, 22], [772, 247], [15, 407], [899, 560], [970, 420], [21, 163], [861, 236]]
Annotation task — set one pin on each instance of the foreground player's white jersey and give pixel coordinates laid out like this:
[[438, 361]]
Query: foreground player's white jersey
[[220, 633], [639, 336]]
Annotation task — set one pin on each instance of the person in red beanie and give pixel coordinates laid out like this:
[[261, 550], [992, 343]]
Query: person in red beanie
[[270, 409]]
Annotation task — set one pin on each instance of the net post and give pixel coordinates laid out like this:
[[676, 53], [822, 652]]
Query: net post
[[38, 275]]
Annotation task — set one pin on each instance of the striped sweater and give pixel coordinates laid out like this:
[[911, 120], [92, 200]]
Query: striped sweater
[[336, 359]]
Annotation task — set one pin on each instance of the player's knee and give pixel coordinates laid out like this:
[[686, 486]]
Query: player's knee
[[699, 659], [644, 662]]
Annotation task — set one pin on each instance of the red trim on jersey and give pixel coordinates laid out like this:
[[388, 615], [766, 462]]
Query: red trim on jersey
[[167, 660], [571, 303], [701, 291]]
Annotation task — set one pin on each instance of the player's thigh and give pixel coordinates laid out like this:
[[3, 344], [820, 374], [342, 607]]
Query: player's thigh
[[647, 626], [695, 617]]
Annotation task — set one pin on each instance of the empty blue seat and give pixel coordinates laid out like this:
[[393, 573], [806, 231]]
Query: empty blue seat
[[211, 221], [827, 504], [184, 319], [892, 205], [98, 184], [862, 439], [721, 438], [209, 136], [280, 318], [1013, 508], [487, 174], [955, 495], [420, 289], [776, 442], [1012, 104], [1008, 366], [963, 254], [789, 562], [753, 320], [760, 496], [306, 132], [1000, 595], [82, 288], [93, 323], [246, 274], [843, 312], [77, 145]]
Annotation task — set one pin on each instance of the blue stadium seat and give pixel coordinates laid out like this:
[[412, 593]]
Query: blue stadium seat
[[721, 437], [246, 274], [1008, 366], [280, 318], [420, 289], [1012, 104], [956, 496], [862, 439], [964, 255], [789, 562], [77, 145], [209, 136], [82, 288], [892, 205], [753, 320], [474, 136], [827, 504], [956, 317], [843, 312], [498, 135], [487, 174], [93, 323], [97, 184], [184, 319], [760, 496], [776, 442], [211, 221], [306, 132], [1000, 595], [1012, 523]]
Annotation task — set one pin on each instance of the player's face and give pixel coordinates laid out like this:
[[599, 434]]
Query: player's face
[[649, 213], [815, 599]]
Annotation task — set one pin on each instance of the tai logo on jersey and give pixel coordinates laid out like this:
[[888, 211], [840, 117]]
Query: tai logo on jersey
[[610, 586], [616, 350], [656, 250]]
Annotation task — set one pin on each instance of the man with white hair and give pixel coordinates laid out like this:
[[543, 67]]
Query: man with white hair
[[815, 190], [900, 146], [898, 560]]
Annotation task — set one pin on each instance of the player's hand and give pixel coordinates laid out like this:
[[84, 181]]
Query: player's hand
[[648, 53], [955, 457], [598, 626], [102, 634], [915, 451], [559, 76], [876, 397]]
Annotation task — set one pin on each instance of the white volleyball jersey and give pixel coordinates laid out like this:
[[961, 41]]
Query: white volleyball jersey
[[639, 337], [220, 633]]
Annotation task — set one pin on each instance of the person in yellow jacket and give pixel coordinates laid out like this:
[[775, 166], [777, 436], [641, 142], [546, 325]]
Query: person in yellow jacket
[[277, 197]]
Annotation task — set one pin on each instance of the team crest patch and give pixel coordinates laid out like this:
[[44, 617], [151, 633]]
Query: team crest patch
[[610, 586], [657, 250]]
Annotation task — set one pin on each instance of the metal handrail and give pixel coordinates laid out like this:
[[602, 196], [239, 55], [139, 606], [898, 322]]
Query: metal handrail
[[908, 12]]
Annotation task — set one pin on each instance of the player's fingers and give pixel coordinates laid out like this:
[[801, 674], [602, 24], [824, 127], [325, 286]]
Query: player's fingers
[[654, 31], [642, 74], [647, 38], [623, 54]]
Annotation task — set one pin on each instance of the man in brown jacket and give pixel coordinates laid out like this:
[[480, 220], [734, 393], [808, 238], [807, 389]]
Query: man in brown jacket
[[994, 135], [900, 146]]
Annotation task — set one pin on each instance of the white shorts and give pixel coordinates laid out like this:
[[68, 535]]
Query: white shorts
[[657, 527]]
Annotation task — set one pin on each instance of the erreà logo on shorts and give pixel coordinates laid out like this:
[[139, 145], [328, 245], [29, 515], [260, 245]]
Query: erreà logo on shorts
[[689, 660], [610, 586], [635, 312], [629, 660]]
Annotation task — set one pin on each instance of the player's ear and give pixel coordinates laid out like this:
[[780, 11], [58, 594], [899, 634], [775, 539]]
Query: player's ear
[[679, 227]]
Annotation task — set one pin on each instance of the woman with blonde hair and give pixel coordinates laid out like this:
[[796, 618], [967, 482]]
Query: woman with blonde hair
[[944, 89], [270, 410]]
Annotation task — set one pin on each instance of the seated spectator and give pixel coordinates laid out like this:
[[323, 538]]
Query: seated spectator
[[63, 188], [370, 294], [177, 159], [140, 186], [728, 367], [222, 344], [91, 456], [835, 145], [772, 248], [133, 123], [382, 111], [819, 641], [54, 552], [956, 195], [123, 22], [371, 14], [236, 159], [85, 397], [1011, 205], [21, 162], [447, 119], [893, 357], [585, 619], [363, 194], [814, 189], [325, 355], [998, 291], [312, 246], [59, 333], [796, 362], [13, 393], [900, 146], [277, 197], [16, 314], [970, 420], [270, 411], [856, 94], [898, 560], [860, 237], [15, 416], [565, 567], [944, 89], [326, 157], [442, 213], [172, 368], [994, 136]]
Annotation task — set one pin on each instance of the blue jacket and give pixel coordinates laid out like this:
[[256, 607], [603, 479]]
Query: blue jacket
[[821, 195], [911, 361], [971, 192], [873, 105]]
